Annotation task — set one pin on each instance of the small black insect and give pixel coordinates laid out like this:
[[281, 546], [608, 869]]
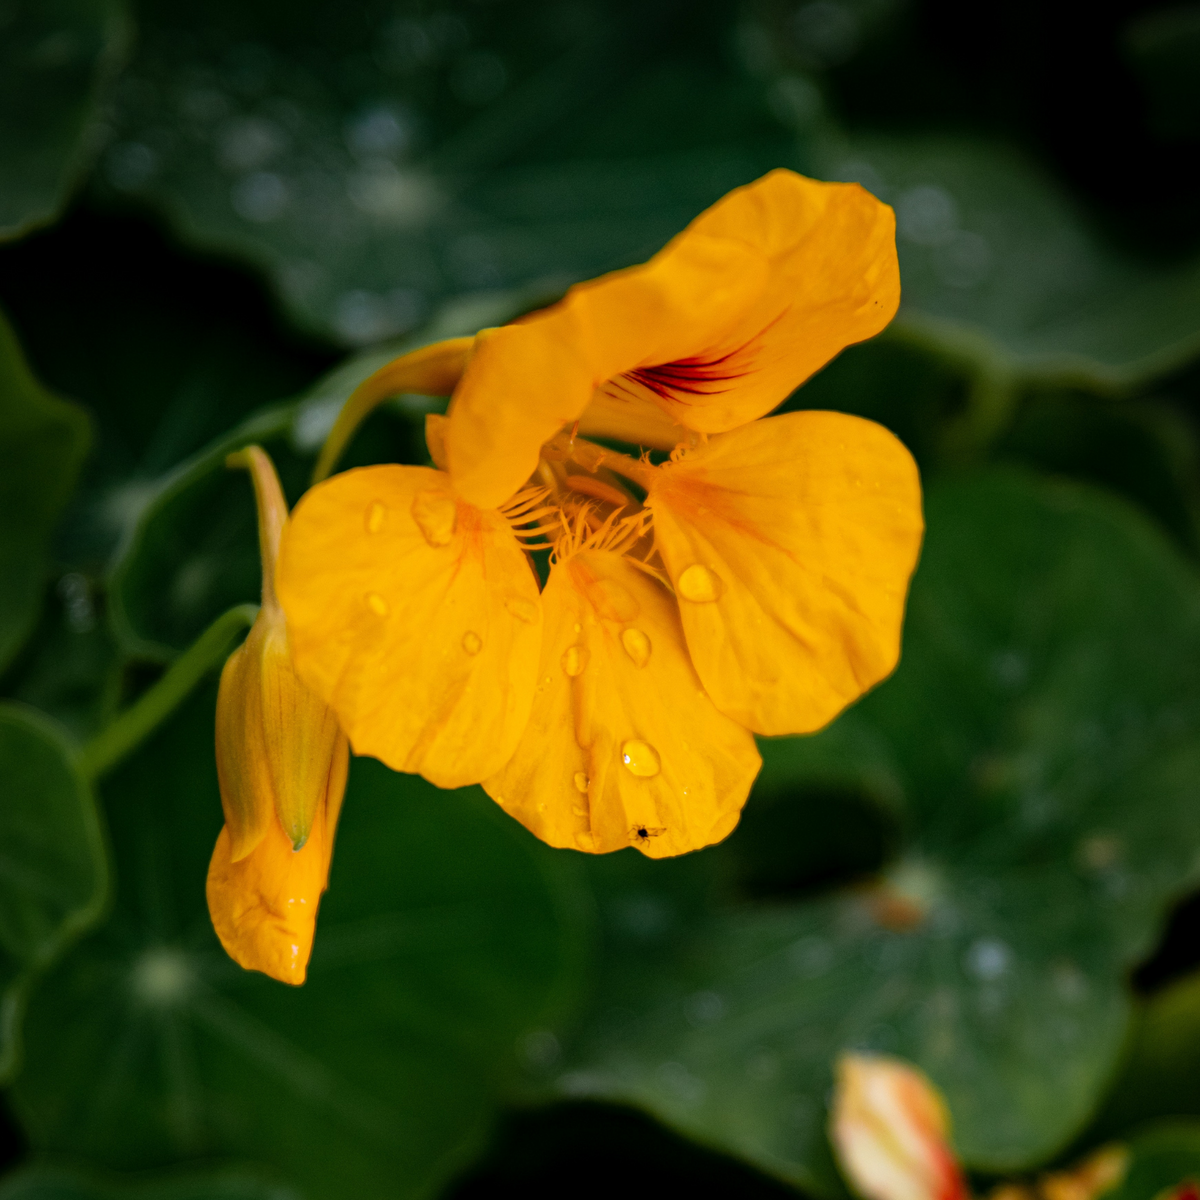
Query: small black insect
[[643, 833]]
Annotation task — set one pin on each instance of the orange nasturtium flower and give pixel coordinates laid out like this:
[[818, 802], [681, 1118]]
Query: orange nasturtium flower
[[281, 763], [753, 583]]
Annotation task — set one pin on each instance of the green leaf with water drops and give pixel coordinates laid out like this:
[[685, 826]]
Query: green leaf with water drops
[[42, 442], [58, 59], [448, 936], [44, 1182], [1033, 767], [53, 865], [1000, 266], [192, 550], [378, 160]]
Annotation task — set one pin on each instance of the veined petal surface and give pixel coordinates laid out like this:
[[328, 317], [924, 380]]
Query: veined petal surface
[[416, 617], [790, 543], [623, 746], [264, 906], [717, 329]]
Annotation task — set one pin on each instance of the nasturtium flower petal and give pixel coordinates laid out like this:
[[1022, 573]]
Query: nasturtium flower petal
[[623, 746], [790, 543], [416, 617], [264, 905], [717, 329]]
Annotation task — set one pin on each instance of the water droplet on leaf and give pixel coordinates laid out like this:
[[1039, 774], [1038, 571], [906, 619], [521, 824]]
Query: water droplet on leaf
[[699, 585], [581, 782], [641, 758]]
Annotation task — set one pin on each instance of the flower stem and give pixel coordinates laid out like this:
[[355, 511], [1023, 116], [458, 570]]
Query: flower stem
[[137, 722]]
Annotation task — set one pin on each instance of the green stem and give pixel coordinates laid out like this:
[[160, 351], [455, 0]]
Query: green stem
[[142, 717]]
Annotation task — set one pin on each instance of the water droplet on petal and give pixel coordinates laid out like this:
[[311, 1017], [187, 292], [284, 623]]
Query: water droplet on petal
[[585, 841], [377, 604], [374, 517], [613, 600], [699, 585], [641, 758], [435, 513], [472, 643], [581, 782], [637, 646], [522, 609], [574, 659]]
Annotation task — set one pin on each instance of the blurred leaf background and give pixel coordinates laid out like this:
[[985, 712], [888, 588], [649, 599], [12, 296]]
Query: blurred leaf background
[[217, 217]]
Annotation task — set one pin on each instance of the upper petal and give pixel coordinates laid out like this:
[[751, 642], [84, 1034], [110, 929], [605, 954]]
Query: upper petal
[[717, 329], [416, 617], [790, 543], [623, 746]]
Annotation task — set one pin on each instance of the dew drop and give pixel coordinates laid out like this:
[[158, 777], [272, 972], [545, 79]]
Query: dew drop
[[581, 782], [574, 659], [585, 841], [613, 600], [374, 517], [637, 646], [522, 609], [377, 604], [472, 643], [699, 585], [435, 514], [641, 758]]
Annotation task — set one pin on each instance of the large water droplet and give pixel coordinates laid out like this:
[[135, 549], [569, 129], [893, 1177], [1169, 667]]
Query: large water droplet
[[574, 659], [522, 609], [699, 585], [374, 517], [641, 758], [581, 782], [613, 600], [472, 643], [435, 513], [377, 604], [637, 646]]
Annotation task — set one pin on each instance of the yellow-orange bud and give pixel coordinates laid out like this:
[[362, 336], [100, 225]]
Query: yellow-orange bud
[[891, 1131], [281, 763]]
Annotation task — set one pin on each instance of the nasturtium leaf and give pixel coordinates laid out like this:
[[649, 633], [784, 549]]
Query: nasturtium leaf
[[42, 442], [192, 550], [379, 160], [57, 60], [1160, 1157], [1160, 1073], [447, 937], [53, 865], [44, 1182], [1039, 749], [999, 264]]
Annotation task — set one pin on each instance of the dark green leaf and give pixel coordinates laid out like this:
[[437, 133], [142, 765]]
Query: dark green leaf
[[57, 58], [62, 1183], [53, 867], [1040, 747], [42, 442], [448, 935], [1160, 1157]]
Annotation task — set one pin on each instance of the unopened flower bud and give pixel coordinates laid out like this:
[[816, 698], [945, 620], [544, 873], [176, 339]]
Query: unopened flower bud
[[281, 763], [891, 1132]]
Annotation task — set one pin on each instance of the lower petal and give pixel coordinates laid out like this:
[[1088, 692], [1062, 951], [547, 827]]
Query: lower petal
[[416, 617], [623, 746], [790, 543]]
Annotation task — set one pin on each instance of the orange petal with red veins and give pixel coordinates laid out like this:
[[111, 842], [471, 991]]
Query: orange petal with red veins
[[717, 329], [623, 747], [790, 543], [416, 617]]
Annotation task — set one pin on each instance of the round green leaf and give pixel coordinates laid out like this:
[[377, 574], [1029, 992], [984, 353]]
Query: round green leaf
[[57, 58], [63, 1183], [42, 442], [447, 936], [1041, 744], [53, 867]]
